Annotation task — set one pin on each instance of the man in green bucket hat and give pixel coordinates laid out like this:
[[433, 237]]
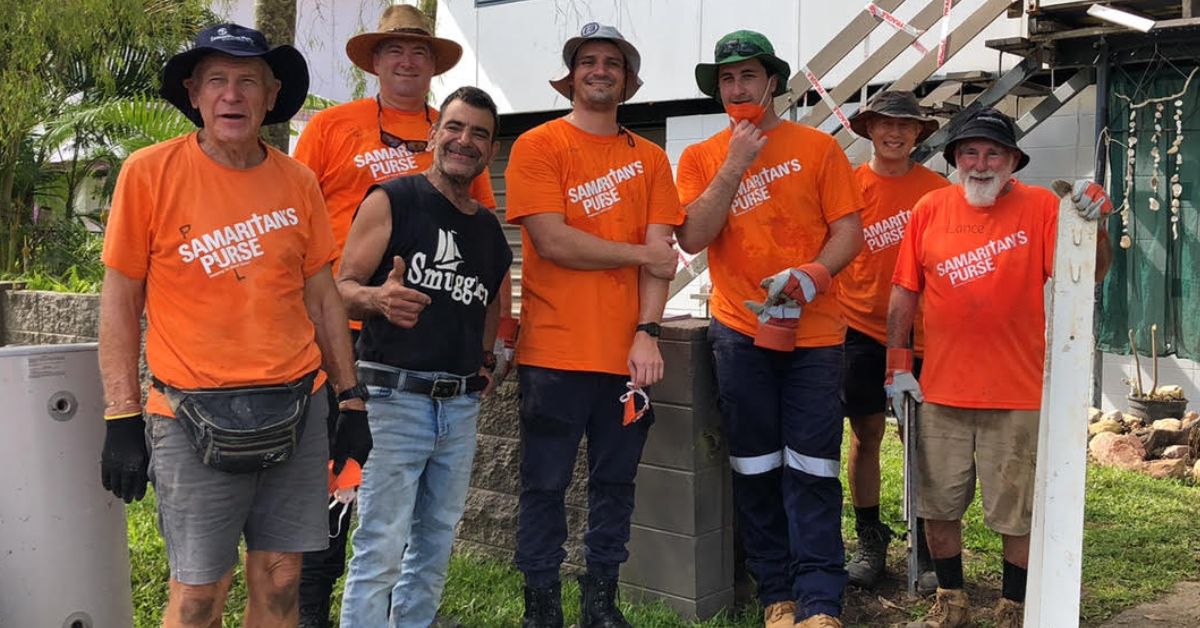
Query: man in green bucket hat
[[776, 204]]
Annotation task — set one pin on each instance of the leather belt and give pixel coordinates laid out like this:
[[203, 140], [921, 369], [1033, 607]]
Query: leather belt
[[441, 387]]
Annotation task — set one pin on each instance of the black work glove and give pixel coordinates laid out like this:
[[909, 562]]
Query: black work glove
[[352, 440], [124, 461], [331, 419]]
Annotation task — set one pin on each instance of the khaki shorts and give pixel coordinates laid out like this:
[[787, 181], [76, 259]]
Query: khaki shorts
[[956, 444]]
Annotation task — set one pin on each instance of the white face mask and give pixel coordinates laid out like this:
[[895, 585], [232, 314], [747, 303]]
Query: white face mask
[[629, 400]]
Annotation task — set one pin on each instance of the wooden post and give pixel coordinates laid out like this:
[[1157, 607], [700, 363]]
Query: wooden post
[[1056, 543]]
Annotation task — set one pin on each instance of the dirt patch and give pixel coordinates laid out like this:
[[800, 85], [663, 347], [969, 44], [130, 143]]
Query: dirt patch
[[890, 605], [1180, 607]]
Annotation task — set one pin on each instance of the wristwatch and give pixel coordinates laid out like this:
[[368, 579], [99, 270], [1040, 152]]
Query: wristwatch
[[654, 329], [357, 391]]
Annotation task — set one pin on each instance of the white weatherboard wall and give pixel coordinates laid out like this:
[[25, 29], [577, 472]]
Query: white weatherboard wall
[[512, 49]]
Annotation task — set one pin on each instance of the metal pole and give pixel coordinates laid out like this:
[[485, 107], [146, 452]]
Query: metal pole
[[1102, 67]]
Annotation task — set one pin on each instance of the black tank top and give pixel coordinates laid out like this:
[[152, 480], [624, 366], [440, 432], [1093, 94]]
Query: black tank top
[[458, 259]]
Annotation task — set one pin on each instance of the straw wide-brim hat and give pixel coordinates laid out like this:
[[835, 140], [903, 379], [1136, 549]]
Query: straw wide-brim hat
[[408, 22], [893, 104], [595, 31]]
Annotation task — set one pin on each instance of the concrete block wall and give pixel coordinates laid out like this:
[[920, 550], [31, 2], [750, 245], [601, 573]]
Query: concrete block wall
[[29, 317], [681, 542]]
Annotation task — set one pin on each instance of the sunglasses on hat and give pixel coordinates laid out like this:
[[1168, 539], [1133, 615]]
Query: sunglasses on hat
[[739, 48], [391, 141]]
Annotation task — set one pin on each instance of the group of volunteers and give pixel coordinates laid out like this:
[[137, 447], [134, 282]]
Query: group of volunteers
[[263, 405]]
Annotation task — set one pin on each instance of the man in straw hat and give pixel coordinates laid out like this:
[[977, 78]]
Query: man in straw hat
[[427, 370], [224, 243], [979, 253], [777, 206], [597, 208], [891, 184], [354, 146]]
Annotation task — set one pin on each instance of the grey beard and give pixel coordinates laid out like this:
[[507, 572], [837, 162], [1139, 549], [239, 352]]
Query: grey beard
[[982, 195]]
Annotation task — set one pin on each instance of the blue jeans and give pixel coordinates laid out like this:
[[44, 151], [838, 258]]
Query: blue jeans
[[413, 493], [782, 416]]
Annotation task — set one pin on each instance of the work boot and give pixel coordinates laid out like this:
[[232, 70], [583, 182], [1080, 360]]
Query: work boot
[[316, 616], [869, 563], [598, 603], [820, 621], [780, 615], [543, 607], [1009, 614], [951, 610]]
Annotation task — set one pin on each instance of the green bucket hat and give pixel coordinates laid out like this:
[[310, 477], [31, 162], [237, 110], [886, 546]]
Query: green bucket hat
[[740, 46]]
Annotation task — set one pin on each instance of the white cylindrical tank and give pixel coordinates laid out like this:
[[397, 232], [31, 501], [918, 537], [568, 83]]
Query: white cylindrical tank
[[64, 558]]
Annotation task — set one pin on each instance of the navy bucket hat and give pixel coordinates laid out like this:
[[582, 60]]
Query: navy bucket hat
[[235, 40]]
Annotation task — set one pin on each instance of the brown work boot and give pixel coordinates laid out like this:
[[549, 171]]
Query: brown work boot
[[951, 610], [780, 615], [1009, 614], [820, 621]]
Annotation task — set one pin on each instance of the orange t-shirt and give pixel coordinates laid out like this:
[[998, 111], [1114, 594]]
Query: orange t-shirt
[[982, 273], [799, 184], [224, 254], [584, 320], [341, 145], [865, 286]]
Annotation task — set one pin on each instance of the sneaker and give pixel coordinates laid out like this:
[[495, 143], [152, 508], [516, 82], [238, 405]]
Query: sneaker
[[780, 615], [598, 603], [951, 610], [543, 607], [820, 621], [867, 566], [1009, 614]]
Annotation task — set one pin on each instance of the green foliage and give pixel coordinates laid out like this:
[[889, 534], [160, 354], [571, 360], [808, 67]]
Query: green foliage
[[61, 64], [61, 256]]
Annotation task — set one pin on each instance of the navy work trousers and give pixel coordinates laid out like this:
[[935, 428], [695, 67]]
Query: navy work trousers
[[782, 414], [557, 409]]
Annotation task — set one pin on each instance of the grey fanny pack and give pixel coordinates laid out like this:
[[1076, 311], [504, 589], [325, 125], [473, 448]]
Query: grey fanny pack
[[242, 430]]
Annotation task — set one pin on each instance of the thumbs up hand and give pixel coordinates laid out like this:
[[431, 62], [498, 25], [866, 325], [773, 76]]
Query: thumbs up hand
[[401, 305]]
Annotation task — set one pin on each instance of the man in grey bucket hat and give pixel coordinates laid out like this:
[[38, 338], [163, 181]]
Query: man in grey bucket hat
[[593, 31], [597, 207]]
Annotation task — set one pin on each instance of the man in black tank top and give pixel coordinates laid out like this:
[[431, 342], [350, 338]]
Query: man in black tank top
[[422, 269]]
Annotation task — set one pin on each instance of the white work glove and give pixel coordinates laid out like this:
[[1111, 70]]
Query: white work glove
[[903, 383], [1090, 200], [801, 284], [900, 381]]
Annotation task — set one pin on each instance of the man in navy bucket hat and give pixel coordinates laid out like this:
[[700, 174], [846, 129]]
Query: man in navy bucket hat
[[224, 244]]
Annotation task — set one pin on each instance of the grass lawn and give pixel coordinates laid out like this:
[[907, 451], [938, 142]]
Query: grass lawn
[[1141, 536]]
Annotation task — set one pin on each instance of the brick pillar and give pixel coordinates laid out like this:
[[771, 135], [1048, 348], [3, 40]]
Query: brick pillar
[[681, 545]]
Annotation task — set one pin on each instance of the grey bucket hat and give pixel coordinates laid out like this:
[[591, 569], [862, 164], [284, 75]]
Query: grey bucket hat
[[889, 104], [593, 31]]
